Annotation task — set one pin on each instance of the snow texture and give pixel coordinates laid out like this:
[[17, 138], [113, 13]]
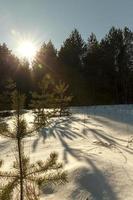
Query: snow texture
[[96, 147]]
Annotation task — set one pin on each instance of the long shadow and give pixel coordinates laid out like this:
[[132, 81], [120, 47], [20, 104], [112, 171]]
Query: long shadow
[[4, 145], [119, 113], [107, 123], [86, 130], [60, 128], [68, 150], [92, 184], [110, 142]]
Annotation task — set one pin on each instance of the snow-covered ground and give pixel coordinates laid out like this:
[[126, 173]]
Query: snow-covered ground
[[94, 145]]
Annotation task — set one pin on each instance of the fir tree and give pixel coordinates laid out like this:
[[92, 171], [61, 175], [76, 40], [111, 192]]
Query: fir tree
[[24, 180], [62, 99], [9, 87], [42, 102]]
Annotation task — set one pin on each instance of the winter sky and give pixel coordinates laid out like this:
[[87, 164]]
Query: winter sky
[[55, 19]]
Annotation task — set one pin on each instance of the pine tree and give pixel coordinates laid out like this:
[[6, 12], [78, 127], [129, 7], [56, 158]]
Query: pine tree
[[45, 62], [72, 51], [9, 87], [24, 180], [62, 99], [42, 102], [52, 101]]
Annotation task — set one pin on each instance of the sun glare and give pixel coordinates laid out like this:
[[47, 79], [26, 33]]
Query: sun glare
[[27, 49]]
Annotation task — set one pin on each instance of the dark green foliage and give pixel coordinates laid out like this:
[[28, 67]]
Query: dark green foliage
[[98, 72], [42, 102], [73, 49], [45, 62], [8, 64], [23, 78], [116, 53], [5, 97], [62, 100], [51, 101]]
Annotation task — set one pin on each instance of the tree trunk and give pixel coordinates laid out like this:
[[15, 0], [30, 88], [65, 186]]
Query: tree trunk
[[20, 168], [20, 151]]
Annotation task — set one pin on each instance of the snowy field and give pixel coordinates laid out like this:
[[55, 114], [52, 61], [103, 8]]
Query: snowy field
[[96, 149]]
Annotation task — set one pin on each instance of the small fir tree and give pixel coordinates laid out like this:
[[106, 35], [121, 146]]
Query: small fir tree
[[52, 101], [25, 179], [62, 99], [42, 102]]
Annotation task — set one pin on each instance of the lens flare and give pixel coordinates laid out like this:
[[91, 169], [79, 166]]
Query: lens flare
[[27, 49]]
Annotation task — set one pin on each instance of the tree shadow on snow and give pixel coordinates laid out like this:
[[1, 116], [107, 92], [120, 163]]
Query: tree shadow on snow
[[92, 184], [61, 129], [117, 113], [105, 140]]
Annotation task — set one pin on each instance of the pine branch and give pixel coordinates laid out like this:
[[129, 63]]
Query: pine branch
[[41, 167], [31, 191], [8, 175], [1, 163], [54, 178], [7, 190]]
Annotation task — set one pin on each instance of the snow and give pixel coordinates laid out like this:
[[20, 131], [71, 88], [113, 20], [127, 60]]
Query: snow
[[94, 146]]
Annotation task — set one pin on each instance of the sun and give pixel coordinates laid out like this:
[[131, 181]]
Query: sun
[[27, 49]]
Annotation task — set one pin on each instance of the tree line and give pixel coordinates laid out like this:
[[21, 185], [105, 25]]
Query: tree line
[[98, 72]]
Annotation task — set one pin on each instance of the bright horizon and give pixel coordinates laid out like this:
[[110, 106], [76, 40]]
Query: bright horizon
[[42, 20]]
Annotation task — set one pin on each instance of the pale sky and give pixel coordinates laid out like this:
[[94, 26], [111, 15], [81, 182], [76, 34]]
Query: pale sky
[[42, 20]]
